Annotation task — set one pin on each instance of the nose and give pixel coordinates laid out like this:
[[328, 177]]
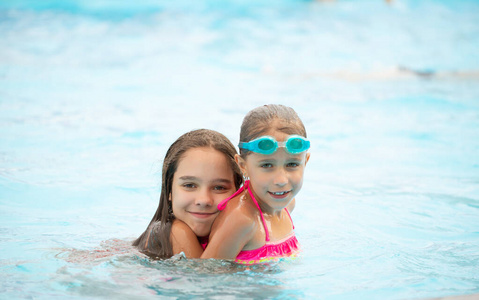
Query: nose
[[280, 177], [205, 198]]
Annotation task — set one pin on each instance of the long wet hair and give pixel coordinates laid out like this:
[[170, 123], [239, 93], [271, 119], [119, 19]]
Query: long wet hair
[[265, 118], [155, 241]]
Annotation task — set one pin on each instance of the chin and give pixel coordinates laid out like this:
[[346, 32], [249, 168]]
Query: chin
[[200, 235], [201, 232]]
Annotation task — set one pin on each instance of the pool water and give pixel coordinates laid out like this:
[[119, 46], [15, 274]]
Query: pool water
[[92, 93]]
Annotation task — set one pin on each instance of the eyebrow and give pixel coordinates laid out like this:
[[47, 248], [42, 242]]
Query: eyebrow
[[267, 160], [272, 160], [217, 180], [188, 178], [222, 180]]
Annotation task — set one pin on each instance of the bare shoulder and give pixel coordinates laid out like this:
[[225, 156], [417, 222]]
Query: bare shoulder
[[234, 228], [181, 229], [183, 239], [241, 213]]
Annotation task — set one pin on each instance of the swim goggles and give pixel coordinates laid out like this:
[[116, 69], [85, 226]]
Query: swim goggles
[[294, 144]]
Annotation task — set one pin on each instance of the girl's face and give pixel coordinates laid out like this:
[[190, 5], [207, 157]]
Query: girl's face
[[275, 178], [203, 178]]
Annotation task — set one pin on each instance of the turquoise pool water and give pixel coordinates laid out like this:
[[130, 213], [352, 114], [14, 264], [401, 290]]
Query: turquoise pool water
[[93, 92]]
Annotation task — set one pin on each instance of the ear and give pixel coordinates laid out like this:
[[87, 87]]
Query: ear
[[307, 158], [241, 164]]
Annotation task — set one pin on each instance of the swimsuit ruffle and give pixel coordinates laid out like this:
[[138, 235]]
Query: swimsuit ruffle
[[270, 252]]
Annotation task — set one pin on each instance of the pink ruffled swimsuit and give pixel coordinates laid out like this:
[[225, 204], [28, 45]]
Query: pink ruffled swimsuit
[[271, 251]]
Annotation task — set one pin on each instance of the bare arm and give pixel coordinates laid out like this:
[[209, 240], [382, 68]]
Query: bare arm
[[183, 239], [231, 231]]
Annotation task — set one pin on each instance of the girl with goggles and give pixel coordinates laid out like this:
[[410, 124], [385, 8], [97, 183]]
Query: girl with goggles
[[255, 225]]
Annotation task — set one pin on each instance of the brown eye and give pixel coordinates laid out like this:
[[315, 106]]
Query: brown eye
[[266, 165]]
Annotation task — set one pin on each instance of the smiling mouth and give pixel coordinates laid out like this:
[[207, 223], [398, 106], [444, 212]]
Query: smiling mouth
[[202, 215], [279, 194]]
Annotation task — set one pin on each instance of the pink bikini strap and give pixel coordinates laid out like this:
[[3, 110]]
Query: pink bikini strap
[[222, 205], [289, 217], [260, 212]]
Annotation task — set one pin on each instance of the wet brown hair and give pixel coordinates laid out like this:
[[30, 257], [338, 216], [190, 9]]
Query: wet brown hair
[[265, 118], [155, 241]]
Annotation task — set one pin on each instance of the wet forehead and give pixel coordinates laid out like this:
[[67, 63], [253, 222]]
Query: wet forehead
[[205, 164], [280, 129], [277, 135]]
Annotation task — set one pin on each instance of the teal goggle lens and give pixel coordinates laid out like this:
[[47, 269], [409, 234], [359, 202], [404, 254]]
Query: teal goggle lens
[[296, 145], [267, 145]]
